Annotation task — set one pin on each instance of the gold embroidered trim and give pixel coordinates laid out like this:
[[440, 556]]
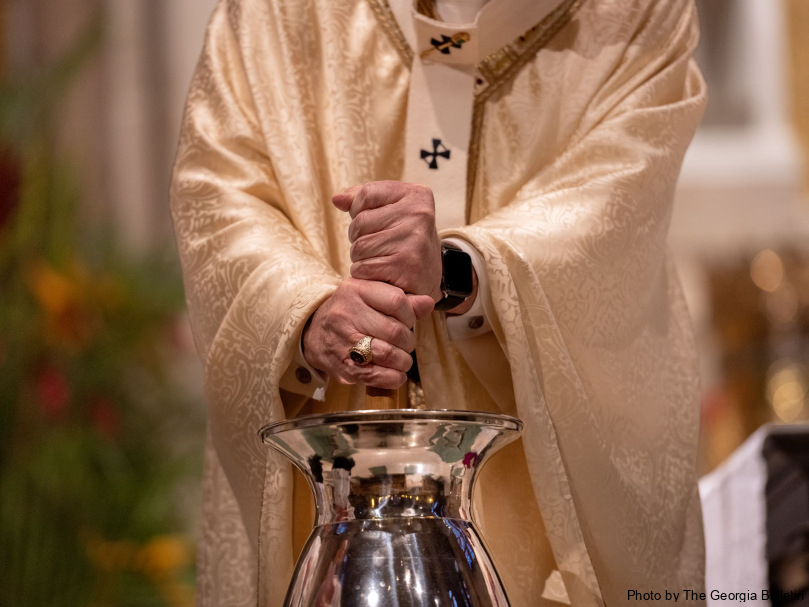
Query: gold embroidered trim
[[428, 9], [492, 72], [500, 67], [385, 17]]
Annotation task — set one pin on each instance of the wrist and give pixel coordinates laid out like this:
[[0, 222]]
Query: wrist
[[306, 336]]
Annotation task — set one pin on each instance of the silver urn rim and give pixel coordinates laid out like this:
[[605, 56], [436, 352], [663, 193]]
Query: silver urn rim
[[494, 420]]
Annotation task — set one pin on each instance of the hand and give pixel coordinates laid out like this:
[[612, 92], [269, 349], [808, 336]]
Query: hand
[[393, 235], [356, 309]]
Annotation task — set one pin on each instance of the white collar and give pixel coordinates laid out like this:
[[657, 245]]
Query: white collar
[[497, 24]]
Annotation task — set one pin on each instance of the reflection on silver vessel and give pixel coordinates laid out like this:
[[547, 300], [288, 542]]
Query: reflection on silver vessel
[[393, 494]]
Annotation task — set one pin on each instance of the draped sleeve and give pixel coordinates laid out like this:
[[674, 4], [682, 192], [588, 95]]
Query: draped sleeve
[[591, 320], [254, 267], [283, 111]]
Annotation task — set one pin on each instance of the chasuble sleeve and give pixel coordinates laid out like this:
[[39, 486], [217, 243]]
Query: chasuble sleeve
[[594, 326], [252, 275], [596, 218]]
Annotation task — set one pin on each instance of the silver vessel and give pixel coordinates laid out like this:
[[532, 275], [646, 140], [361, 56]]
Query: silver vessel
[[393, 493]]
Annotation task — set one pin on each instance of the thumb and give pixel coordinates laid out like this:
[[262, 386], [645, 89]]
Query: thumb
[[344, 199], [422, 305]]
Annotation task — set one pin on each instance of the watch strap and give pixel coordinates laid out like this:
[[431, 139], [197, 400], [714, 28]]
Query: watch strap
[[449, 301], [451, 298]]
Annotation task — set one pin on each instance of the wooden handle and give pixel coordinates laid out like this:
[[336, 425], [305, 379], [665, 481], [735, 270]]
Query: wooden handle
[[380, 398]]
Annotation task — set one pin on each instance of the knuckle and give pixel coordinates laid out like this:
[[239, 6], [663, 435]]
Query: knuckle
[[393, 358], [398, 300], [343, 290], [355, 373], [361, 246], [426, 198], [400, 335], [387, 333], [366, 190], [408, 284], [385, 349], [401, 361], [371, 375], [365, 269], [385, 354], [421, 190], [357, 227], [348, 290], [359, 269], [425, 214], [357, 251], [389, 187], [344, 374]]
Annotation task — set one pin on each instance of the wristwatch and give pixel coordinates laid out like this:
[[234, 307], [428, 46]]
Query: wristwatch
[[456, 276]]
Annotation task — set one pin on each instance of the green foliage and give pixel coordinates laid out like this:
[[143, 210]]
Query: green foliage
[[99, 440]]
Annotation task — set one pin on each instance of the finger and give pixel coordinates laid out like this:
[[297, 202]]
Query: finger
[[386, 328], [388, 300], [387, 379], [384, 355], [344, 199], [422, 305], [394, 332], [381, 244], [373, 221], [390, 357], [392, 270], [366, 320], [376, 194], [373, 375]]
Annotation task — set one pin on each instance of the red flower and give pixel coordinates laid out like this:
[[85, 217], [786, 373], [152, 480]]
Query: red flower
[[104, 417], [53, 392]]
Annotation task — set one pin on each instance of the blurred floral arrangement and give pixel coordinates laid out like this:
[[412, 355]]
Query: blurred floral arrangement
[[100, 441]]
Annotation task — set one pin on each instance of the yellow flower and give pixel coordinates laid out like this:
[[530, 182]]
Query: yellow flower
[[62, 298], [54, 291], [164, 554]]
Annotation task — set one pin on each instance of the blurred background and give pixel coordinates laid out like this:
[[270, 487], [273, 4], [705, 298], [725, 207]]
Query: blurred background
[[101, 413]]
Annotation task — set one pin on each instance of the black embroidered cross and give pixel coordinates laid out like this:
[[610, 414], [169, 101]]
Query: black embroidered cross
[[444, 153]]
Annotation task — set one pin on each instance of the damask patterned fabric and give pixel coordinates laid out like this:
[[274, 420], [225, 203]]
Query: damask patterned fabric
[[577, 154]]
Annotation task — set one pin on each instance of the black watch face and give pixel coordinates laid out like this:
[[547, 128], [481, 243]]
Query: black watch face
[[457, 272]]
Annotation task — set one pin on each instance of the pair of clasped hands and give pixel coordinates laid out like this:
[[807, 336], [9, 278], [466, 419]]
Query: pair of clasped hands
[[395, 281]]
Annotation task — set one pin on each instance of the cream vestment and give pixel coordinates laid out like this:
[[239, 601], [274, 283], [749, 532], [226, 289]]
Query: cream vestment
[[578, 130]]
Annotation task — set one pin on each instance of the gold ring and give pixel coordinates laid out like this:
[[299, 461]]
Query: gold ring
[[361, 352]]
